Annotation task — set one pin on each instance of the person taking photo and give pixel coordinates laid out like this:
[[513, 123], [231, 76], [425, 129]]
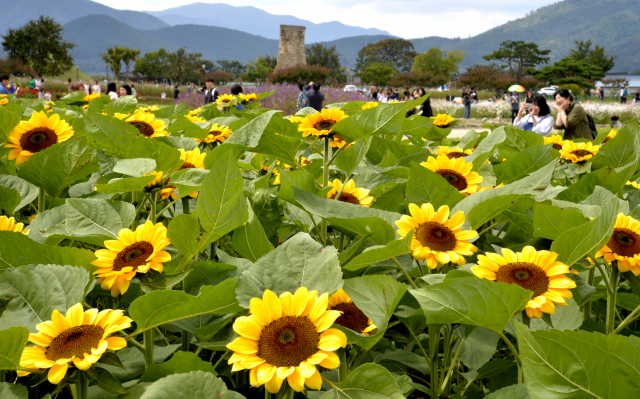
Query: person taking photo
[[534, 117]]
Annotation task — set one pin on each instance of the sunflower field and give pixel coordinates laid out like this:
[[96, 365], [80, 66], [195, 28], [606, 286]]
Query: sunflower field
[[233, 251]]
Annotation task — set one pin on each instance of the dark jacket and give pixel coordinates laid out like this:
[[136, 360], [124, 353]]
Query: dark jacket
[[577, 123], [211, 95], [425, 107], [176, 93], [314, 99]]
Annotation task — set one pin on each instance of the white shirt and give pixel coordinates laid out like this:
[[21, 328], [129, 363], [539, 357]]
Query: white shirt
[[113, 95], [543, 128]]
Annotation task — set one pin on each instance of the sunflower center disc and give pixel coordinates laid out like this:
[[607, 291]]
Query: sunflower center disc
[[38, 139], [144, 128], [436, 236], [454, 178], [624, 242], [344, 197], [581, 153], [287, 341], [352, 317], [324, 125], [526, 275], [557, 147], [187, 165], [456, 154], [133, 256], [75, 341]]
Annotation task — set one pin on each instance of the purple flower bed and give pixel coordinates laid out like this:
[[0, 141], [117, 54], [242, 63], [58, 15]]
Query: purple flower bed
[[285, 98]]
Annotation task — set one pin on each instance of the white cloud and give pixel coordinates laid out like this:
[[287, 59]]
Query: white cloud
[[404, 18]]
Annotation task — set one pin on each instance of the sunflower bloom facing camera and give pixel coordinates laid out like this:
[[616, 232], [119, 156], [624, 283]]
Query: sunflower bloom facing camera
[[133, 252], [79, 337], [624, 245], [9, 224], [352, 317], [226, 101], [537, 271], [350, 193], [578, 152], [443, 120], [147, 124], [321, 123], [286, 337], [36, 134], [456, 172], [217, 133], [436, 237]]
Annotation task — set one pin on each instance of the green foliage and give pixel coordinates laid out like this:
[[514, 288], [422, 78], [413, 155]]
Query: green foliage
[[569, 71], [303, 74], [595, 56], [377, 74], [435, 62], [258, 70], [326, 56], [397, 53], [518, 56]]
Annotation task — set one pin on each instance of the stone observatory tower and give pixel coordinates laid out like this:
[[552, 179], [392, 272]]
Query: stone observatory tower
[[291, 49]]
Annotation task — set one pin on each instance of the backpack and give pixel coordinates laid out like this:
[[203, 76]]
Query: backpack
[[592, 125]]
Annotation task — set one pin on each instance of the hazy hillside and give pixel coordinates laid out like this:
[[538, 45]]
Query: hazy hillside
[[257, 22], [93, 34], [15, 13]]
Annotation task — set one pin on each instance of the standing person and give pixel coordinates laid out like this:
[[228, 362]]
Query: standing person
[[133, 91], [535, 119], [571, 118], [623, 95], [176, 92], [302, 97], [314, 97], [69, 84], [529, 98], [40, 88], [601, 94], [32, 83], [4, 81], [111, 91], [210, 94], [163, 96], [96, 87], [369, 94], [87, 87], [514, 100], [636, 99], [236, 89], [466, 100]]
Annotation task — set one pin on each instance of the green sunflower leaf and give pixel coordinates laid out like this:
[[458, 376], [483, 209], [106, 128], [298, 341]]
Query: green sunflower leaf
[[9, 199], [188, 181], [472, 301], [375, 255], [620, 150], [250, 240], [528, 160], [490, 208], [27, 191], [299, 262], [12, 343], [349, 159], [180, 363], [13, 391], [8, 121], [425, 186], [369, 381], [550, 221], [571, 364], [38, 290], [196, 384], [511, 392], [125, 185]]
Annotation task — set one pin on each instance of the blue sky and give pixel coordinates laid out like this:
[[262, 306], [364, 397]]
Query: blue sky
[[404, 18]]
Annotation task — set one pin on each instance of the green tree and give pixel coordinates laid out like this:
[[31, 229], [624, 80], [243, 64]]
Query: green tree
[[186, 67], [233, 67], [399, 53], [113, 57], [435, 62], [40, 45], [326, 56], [378, 74], [129, 56], [595, 56], [258, 70], [518, 56], [152, 65], [569, 71]]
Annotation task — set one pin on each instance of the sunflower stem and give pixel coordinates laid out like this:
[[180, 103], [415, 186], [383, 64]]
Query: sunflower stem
[[148, 337], [152, 214], [488, 229], [134, 224], [221, 358], [186, 206], [453, 363], [80, 388], [404, 272], [611, 298], [587, 306], [604, 277], [629, 319], [41, 197], [168, 207], [419, 267], [285, 392], [515, 354], [434, 345], [343, 370], [526, 320], [325, 183]]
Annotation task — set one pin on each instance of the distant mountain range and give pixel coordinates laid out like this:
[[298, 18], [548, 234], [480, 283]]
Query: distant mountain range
[[242, 33], [257, 22]]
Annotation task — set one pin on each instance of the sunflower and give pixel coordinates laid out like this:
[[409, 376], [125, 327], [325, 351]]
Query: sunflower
[[226, 101], [321, 123], [578, 152], [370, 105], [442, 120], [633, 184], [48, 104], [338, 142], [613, 133], [90, 97], [147, 124], [133, 252], [36, 134], [296, 119], [286, 338], [119, 115], [555, 140], [3, 102], [624, 245], [304, 161], [283, 165], [9, 224], [166, 190], [452, 152], [195, 111], [192, 160], [490, 187], [80, 337], [350, 194], [216, 133], [393, 102], [533, 270], [195, 118], [276, 181], [85, 107], [248, 97], [149, 109], [436, 237], [352, 317], [456, 172]]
